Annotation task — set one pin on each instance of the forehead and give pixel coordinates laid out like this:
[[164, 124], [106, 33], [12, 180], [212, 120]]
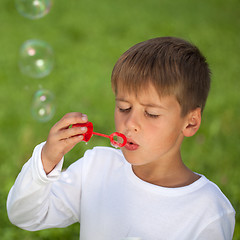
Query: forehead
[[148, 97], [142, 93], [138, 85]]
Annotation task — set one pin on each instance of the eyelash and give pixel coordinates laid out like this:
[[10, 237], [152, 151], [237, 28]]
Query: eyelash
[[122, 110], [151, 115]]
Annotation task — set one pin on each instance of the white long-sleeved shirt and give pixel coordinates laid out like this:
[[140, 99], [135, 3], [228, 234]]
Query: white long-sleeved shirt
[[102, 193]]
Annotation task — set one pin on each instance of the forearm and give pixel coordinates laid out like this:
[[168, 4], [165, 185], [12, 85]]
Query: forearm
[[29, 198]]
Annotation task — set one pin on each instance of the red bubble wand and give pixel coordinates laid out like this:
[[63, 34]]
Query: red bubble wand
[[89, 133]]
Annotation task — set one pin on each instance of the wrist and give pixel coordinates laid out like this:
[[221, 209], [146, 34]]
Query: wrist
[[47, 162]]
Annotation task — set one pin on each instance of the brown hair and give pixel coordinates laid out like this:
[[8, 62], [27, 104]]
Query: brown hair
[[172, 65]]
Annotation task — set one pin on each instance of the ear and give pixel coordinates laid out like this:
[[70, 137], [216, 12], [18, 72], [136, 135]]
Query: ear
[[193, 122]]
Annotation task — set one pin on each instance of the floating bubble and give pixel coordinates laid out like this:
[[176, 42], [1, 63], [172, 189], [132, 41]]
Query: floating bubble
[[43, 107], [131, 238], [33, 9], [36, 58]]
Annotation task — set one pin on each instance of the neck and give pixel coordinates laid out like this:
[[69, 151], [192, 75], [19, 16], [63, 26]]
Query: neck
[[173, 174]]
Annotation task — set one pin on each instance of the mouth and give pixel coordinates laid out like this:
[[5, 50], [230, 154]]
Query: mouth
[[131, 145]]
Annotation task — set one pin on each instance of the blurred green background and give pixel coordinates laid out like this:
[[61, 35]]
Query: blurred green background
[[87, 38]]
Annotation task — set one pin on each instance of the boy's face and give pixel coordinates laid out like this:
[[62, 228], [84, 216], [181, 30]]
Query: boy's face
[[152, 125]]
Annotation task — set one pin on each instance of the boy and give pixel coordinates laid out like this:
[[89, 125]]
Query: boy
[[143, 190]]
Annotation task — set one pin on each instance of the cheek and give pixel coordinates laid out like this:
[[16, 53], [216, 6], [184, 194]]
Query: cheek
[[117, 120], [151, 136], [166, 138], [160, 135]]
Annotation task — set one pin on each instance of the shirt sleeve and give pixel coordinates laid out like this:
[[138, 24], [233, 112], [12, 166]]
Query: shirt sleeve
[[221, 228], [39, 201]]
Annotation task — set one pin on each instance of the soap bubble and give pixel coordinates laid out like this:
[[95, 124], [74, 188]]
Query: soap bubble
[[33, 9], [36, 58], [131, 238], [43, 107]]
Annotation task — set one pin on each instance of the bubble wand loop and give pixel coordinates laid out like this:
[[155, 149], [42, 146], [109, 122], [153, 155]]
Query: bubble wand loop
[[89, 133], [111, 137]]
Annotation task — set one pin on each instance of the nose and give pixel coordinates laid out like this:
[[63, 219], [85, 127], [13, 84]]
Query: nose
[[133, 122]]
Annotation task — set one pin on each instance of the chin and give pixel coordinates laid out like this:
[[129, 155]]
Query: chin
[[133, 160]]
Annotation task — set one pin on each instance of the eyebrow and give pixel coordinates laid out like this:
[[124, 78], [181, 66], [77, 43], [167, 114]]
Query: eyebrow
[[151, 105]]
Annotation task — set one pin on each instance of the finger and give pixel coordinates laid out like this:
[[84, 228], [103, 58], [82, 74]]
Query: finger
[[71, 132], [69, 119], [69, 143], [55, 136]]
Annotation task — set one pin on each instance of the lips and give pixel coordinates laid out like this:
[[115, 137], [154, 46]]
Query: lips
[[131, 145]]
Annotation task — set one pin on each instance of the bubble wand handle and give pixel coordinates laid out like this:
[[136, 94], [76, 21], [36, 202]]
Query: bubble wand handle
[[101, 134]]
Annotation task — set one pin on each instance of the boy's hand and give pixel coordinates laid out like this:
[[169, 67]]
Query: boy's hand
[[62, 139]]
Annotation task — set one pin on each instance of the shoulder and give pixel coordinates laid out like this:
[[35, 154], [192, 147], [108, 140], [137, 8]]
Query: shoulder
[[97, 162], [104, 154], [218, 215], [212, 198], [104, 150], [101, 157]]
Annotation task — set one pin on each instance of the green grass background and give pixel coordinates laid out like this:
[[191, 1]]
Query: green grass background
[[88, 37]]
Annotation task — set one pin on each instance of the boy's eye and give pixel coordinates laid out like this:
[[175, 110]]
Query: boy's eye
[[124, 110], [151, 115]]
